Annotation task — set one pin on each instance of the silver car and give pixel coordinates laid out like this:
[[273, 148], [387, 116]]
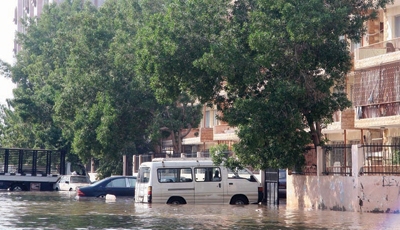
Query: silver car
[[71, 182]]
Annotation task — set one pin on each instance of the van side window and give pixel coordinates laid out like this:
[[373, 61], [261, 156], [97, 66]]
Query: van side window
[[239, 174], [174, 175], [207, 174]]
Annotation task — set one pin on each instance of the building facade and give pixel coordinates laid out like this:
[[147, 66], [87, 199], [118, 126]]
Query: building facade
[[211, 132], [373, 86], [360, 169]]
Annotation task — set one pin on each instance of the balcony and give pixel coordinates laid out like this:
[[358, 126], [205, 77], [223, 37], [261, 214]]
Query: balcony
[[225, 132], [381, 52]]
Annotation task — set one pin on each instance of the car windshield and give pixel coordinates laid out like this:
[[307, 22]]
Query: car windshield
[[79, 179]]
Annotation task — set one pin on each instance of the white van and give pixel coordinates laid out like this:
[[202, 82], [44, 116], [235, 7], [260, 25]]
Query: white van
[[194, 181]]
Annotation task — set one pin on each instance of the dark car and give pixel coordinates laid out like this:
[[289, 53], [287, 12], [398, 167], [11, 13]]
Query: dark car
[[114, 185], [282, 183]]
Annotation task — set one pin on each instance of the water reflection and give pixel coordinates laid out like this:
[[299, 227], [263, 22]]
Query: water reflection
[[61, 210]]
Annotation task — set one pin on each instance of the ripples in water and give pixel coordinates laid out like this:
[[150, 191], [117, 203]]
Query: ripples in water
[[60, 210]]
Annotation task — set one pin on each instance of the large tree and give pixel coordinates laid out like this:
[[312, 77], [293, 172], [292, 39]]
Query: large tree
[[38, 75], [78, 86], [176, 120], [276, 69]]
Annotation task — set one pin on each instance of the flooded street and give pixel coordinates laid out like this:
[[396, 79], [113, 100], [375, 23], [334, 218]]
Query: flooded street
[[60, 210]]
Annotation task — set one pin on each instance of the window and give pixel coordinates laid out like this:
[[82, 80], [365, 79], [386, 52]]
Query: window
[[239, 174], [174, 175], [79, 179], [215, 118], [207, 124], [131, 182], [397, 26], [144, 175], [207, 174], [120, 182]]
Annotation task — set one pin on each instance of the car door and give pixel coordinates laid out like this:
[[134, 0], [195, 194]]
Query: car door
[[117, 187], [131, 183]]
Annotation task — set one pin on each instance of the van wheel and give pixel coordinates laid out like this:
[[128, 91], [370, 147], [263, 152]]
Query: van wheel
[[176, 200], [239, 200]]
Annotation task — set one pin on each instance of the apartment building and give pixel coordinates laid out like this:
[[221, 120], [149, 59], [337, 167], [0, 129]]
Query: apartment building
[[211, 132], [33, 8], [373, 86]]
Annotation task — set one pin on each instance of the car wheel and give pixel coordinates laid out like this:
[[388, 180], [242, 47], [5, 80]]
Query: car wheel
[[56, 189], [103, 196], [239, 200], [17, 187], [176, 200]]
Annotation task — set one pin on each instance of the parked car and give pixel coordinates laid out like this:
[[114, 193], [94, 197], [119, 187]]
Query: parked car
[[71, 182], [282, 183], [114, 185]]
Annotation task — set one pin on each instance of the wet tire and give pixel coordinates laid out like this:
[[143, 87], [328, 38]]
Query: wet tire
[[176, 200], [239, 200], [17, 187]]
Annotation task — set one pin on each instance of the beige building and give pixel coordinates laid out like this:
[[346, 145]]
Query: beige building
[[211, 132], [373, 86], [360, 171]]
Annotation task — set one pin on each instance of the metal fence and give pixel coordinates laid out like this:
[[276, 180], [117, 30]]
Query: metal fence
[[381, 159], [32, 162], [377, 159], [337, 159]]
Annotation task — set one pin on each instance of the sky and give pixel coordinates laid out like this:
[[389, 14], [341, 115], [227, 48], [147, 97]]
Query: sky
[[7, 32]]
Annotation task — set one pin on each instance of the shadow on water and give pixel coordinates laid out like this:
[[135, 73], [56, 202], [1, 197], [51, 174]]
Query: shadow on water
[[61, 210]]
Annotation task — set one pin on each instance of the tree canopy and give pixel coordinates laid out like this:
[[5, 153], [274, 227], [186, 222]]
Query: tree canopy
[[276, 69], [77, 85], [110, 81]]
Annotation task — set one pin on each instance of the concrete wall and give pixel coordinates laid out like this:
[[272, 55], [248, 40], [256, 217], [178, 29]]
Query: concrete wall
[[357, 193]]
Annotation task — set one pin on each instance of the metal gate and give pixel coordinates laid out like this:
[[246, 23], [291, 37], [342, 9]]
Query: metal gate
[[271, 186]]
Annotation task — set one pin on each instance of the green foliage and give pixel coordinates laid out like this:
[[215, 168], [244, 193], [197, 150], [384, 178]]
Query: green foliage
[[396, 157], [220, 155], [105, 82], [281, 66], [79, 88], [176, 120]]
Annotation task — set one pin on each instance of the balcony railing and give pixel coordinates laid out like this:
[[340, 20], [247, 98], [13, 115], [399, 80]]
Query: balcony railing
[[378, 49]]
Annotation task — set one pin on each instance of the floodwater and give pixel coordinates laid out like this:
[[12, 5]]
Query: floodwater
[[61, 210]]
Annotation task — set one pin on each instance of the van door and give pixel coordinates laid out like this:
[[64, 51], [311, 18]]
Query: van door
[[173, 183], [208, 185], [142, 184], [63, 186]]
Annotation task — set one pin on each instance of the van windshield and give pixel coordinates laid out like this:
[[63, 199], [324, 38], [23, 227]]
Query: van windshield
[[79, 179], [143, 175]]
